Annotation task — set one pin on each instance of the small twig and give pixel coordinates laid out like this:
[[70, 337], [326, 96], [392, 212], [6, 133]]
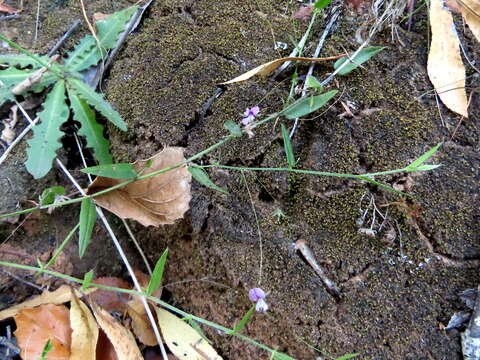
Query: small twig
[[8, 17], [204, 279], [65, 36], [23, 281], [137, 245], [37, 21]]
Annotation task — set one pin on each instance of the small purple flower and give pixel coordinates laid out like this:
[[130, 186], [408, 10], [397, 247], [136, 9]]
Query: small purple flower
[[258, 295], [249, 115]]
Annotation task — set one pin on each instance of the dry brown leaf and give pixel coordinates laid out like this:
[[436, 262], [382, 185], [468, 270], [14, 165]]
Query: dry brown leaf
[[61, 295], [36, 326], [84, 331], [7, 9], [121, 338], [155, 201], [304, 13], [140, 324], [267, 68], [445, 68], [110, 300], [105, 349], [471, 14]]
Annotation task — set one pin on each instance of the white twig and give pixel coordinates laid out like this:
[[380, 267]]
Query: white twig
[[137, 245], [18, 138], [37, 22]]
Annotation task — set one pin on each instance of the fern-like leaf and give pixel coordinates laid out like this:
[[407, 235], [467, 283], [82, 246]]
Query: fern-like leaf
[[46, 135], [96, 100], [92, 131], [21, 60], [88, 52]]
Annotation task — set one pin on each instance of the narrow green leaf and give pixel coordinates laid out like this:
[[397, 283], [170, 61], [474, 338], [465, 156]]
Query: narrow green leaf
[[321, 4], [92, 131], [49, 195], [46, 135], [287, 143], [97, 101], [425, 167], [243, 321], [88, 217], [233, 127], [306, 106], [281, 356], [114, 171], [202, 177], [157, 275], [381, 185], [357, 60], [313, 83], [46, 349], [87, 280], [21, 60], [347, 356], [198, 329], [424, 157]]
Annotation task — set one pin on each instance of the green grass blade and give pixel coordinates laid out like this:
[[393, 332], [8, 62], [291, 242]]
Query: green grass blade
[[46, 349], [288, 147], [362, 56], [97, 101], [87, 280], [347, 356], [424, 157], [243, 321], [88, 217], [202, 177], [157, 275], [45, 142], [114, 171], [21, 60], [306, 106], [90, 129]]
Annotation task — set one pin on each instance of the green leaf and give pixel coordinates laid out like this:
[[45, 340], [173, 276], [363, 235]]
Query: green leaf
[[46, 349], [156, 279], [233, 127], [381, 185], [347, 356], [92, 131], [362, 56], [415, 164], [46, 135], [87, 280], [202, 177], [306, 106], [49, 195], [114, 171], [88, 217], [88, 52], [426, 167], [243, 321], [321, 4], [281, 356], [5, 94], [12, 76], [313, 83], [97, 101], [288, 147], [21, 60]]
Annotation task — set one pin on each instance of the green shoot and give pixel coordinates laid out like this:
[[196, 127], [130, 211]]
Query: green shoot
[[202, 177], [88, 216], [114, 171], [243, 321], [157, 275], [288, 147]]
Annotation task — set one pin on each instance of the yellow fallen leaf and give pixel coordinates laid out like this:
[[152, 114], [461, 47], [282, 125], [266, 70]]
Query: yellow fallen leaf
[[267, 68], [84, 331], [471, 14], [445, 68], [36, 326], [154, 201], [121, 338], [61, 295], [182, 340], [140, 324]]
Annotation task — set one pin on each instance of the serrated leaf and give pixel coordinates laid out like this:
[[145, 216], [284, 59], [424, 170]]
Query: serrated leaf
[[12, 76], [114, 171], [90, 129], [21, 60], [424, 157], [97, 101], [88, 216], [110, 28], [355, 61], [288, 147], [233, 127], [202, 177], [84, 55], [157, 275], [46, 135], [49, 194], [306, 106]]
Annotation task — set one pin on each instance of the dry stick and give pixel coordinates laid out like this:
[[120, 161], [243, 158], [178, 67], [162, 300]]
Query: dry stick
[[17, 140], [18, 278], [65, 36], [37, 22], [335, 14], [124, 259]]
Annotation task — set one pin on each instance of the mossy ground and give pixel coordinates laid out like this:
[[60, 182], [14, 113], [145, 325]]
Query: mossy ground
[[395, 294]]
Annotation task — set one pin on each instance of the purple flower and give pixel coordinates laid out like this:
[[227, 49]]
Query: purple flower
[[249, 115], [258, 295]]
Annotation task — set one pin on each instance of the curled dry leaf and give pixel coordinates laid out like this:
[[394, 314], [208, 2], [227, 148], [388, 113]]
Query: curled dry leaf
[[59, 296], [445, 68], [471, 14], [36, 326], [154, 201], [84, 331], [267, 68], [110, 300], [140, 324], [121, 338]]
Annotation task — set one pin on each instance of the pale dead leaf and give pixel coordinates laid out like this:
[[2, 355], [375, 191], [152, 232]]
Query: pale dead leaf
[[471, 14], [84, 331], [445, 68], [304, 13], [36, 326], [105, 349], [140, 324], [267, 68], [121, 338], [182, 340], [59, 296], [99, 16], [7, 9], [155, 201]]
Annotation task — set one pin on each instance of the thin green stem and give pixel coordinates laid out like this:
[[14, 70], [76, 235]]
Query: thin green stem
[[61, 247], [149, 297]]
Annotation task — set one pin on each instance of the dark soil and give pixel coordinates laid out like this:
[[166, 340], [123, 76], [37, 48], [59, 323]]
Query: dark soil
[[398, 287]]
